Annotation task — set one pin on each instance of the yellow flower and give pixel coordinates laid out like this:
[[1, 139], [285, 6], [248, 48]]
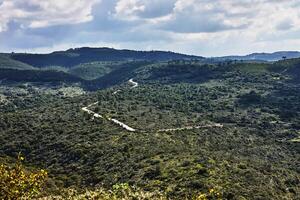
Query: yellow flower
[[202, 197]]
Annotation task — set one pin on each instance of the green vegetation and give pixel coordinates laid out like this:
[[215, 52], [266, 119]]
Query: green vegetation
[[254, 156], [254, 68], [17, 183], [94, 70]]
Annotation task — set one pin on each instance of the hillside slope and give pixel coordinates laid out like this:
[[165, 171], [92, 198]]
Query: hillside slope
[[253, 155], [95, 70], [7, 63], [78, 56], [37, 76]]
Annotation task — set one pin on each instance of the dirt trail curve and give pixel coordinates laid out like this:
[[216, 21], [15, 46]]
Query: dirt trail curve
[[95, 115], [135, 84], [115, 121], [128, 128]]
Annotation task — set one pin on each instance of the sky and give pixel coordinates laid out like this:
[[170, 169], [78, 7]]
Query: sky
[[199, 27]]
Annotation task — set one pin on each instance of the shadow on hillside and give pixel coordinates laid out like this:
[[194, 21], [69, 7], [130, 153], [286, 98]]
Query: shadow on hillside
[[183, 74], [118, 76]]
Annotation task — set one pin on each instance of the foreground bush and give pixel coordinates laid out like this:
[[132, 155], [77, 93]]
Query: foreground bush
[[125, 192], [119, 192], [17, 183]]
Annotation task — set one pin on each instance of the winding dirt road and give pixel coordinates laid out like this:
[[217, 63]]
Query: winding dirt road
[[115, 121], [135, 84], [216, 125], [128, 128], [95, 115]]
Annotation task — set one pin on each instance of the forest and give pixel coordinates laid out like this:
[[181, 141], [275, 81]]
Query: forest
[[255, 154]]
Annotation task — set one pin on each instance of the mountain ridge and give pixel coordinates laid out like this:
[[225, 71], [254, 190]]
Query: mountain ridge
[[76, 56], [275, 56]]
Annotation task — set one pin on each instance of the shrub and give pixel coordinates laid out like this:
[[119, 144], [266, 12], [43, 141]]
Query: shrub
[[18, 183], [119, 192], [213, 194]]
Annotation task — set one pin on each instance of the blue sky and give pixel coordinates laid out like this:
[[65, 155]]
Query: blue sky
[[200, 27]]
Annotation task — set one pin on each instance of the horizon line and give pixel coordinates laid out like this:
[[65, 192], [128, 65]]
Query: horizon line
[[153, 50]]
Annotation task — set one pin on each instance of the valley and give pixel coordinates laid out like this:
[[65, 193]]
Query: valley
[[181, 127], [149, 100]]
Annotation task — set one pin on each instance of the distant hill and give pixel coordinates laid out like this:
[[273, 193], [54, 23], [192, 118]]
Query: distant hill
[[77, 56], [264, 56], [84, 57], [7, 63], [104, 67]]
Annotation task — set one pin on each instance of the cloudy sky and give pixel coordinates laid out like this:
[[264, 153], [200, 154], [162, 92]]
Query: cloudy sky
[[201, 27]]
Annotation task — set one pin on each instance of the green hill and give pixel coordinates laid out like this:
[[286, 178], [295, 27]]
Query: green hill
[[7, 63], [73, 57]]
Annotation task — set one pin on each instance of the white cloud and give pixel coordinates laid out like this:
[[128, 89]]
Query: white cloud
[[192, 26], [199, 16], [143, 9], [37, 13], [127, 9]]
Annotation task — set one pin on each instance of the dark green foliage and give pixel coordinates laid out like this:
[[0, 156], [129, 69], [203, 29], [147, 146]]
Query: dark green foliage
[[37, 76], [173, 73], [250, 98]]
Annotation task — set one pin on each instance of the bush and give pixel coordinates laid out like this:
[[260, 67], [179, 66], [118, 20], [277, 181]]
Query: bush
[[17, 183], [119, 192], [213, 194]]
